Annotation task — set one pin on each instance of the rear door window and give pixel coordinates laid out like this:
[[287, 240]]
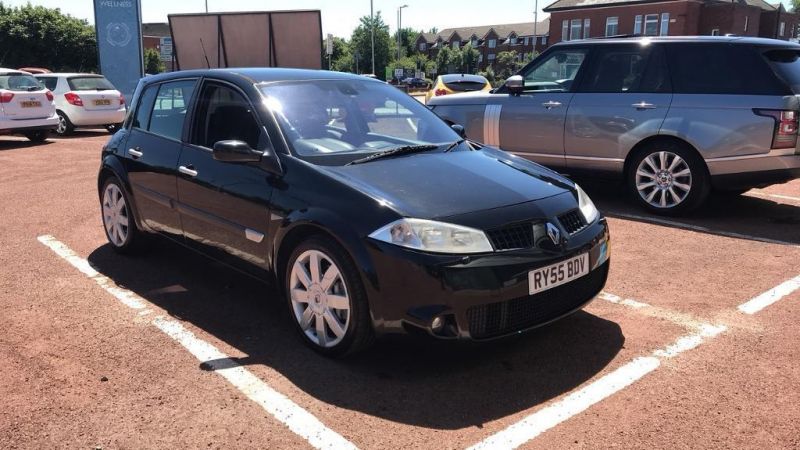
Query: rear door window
[[720, 69], [20, 82], [49, 82], [617, 68], [169, 108]]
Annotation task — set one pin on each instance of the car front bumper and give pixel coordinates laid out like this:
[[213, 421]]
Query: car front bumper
[[480, 297]]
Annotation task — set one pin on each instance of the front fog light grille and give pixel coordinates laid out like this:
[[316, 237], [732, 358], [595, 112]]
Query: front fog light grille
[[512, 237]]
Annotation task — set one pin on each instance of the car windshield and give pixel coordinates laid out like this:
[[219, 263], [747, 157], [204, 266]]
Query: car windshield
[[19, 82], [334, 122], [89, 84]]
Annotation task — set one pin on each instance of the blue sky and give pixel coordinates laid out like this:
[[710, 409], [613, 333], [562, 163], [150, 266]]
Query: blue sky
[[338, 16]]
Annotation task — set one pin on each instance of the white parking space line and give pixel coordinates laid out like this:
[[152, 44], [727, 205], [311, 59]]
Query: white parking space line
[[685, 320], [777, 196], [546, 418], [701, 228], [771, 296], [294, 417], [609, 297]]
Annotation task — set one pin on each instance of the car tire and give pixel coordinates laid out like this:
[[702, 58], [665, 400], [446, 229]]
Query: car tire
[[38, 136], [113, 128], [328, 308], [668, 178], [65, 127], [118, 222]]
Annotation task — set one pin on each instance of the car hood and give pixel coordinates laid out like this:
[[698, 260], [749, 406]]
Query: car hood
[[435, 184]]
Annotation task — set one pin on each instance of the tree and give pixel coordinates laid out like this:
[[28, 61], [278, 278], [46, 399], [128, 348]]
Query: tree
[[408, 38], [35, 36], [507, 64], [360, 44], [469, 58], [152, 61]]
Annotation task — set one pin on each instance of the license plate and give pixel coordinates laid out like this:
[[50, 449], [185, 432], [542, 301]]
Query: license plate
[[103, 102], [557, 274], [30, 104]]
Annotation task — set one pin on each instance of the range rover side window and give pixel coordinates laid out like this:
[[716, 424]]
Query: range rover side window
[[224, 114], [616, 68], [169, 108], [557, 72]]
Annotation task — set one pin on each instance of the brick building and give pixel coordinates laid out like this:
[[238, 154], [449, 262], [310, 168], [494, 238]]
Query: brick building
[[580, 19], [489, 40]]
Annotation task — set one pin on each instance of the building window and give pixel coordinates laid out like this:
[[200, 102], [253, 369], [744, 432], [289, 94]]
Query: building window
[[492, 43], [575, 29], [586, 24], [651, 25], [512, 40], [456, 45], [746, 21], [480, 58], [612, 26], [423, 46], [564, 30], [491, 58], [544, 40], [527, 40], [665, 24], [715, 32], [782, 29], [474, 42], [637, 25]]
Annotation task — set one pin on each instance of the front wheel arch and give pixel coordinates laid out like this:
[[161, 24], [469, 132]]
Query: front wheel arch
[[644, 144]]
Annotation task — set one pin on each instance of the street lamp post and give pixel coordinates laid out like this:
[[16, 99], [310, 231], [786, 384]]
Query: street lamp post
[[399, 29], [206, 6], [372, 35], [535, 22]]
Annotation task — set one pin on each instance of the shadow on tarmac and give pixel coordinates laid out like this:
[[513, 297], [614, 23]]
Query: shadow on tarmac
[[411, 380]]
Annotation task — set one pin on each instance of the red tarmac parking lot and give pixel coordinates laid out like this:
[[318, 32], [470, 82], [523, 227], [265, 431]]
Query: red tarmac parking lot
[[692, 344]]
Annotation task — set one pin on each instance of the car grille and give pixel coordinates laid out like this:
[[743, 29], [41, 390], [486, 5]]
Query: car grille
[[500, 318], [512, 237], [573, 221]]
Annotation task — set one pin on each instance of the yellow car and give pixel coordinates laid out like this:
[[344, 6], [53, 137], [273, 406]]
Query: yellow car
[[457, 83]]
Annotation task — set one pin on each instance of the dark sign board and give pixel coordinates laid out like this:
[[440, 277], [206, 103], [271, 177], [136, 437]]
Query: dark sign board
[[119, 42]]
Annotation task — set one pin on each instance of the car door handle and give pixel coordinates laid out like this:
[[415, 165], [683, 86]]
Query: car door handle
[[643, 105], [188, 170], [135, 153], [551, 104]]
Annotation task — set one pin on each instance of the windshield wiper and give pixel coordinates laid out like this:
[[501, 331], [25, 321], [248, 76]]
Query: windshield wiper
[[397, 151], [454, 145]]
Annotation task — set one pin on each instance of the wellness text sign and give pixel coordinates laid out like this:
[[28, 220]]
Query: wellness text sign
[[119, 42]]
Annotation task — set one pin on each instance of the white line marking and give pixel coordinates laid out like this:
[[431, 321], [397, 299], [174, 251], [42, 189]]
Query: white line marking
[[550, 416], [760, 302], [778, 196], [622, 301], [298, 420], [701, 228], [685, 320], [575, 403]]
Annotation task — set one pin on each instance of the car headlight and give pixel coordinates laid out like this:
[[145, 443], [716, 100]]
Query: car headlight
[[435, 237], [586, 206]]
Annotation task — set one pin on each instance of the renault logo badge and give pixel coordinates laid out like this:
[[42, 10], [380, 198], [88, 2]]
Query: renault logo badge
[[554, 233]]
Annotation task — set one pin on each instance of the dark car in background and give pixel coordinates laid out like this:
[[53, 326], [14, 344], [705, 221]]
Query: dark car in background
[[371, 214], [675, 117], [417, 83]]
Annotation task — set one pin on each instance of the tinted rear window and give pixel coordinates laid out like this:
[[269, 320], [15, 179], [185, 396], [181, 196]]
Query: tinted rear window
[[721, 69], [89, 84], [459, 77], [19, 82], [786, 63], [464, 86]]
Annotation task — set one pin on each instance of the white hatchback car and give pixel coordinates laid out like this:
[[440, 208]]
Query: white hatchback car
[[26, 107], [85, 100]]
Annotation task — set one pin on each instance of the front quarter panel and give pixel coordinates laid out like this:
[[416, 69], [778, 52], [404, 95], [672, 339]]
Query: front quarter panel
[[469, 116]]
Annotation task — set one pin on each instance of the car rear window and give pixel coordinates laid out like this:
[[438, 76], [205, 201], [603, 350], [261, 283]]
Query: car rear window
[[721, 69], [786, 63], [464, 83], [89, 84], [19, 82]]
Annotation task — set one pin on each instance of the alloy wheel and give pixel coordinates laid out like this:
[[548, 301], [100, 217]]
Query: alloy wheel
[[62, 124], [663, 179], [115, 215], [320, 301]]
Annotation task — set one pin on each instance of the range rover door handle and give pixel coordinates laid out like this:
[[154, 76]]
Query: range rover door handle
[[135, 153], [188, 170], [643, 105], [551, 104]]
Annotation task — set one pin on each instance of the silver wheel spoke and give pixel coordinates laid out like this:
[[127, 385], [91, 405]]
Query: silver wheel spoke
[[644, 174], [303, 276], [645, 185], [322, 337], [305, 320], [330, 277], [650, 162], [652, 195], [662, 160], [675, 162], [682, 173], [663, 198], [300, 296], [333, 324], [123, 221], [313, 265], [685, 187], [675, 196], [338, 302]]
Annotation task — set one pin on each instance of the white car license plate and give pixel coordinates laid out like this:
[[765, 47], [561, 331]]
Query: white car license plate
[[557, 274], [31, 104], [103, 102]]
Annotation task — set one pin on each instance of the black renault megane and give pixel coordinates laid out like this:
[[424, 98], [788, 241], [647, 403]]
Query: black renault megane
[[372, 214]]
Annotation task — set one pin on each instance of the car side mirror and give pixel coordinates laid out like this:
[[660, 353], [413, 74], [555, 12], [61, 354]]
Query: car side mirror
[[459, 130], [515, 84], [235, 152]]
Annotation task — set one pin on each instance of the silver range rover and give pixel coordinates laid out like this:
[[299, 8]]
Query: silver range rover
[[675, 117]]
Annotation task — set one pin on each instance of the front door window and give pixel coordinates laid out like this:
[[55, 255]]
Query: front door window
[[557, 72]]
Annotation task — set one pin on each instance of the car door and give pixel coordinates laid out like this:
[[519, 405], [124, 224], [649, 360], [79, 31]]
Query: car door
[[153, 148], [224, 206], [623, 98], [532, 124]]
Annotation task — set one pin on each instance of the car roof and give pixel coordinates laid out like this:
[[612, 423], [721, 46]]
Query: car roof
[[257, 75], [67, 74], [682, 39], [4, 70]]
